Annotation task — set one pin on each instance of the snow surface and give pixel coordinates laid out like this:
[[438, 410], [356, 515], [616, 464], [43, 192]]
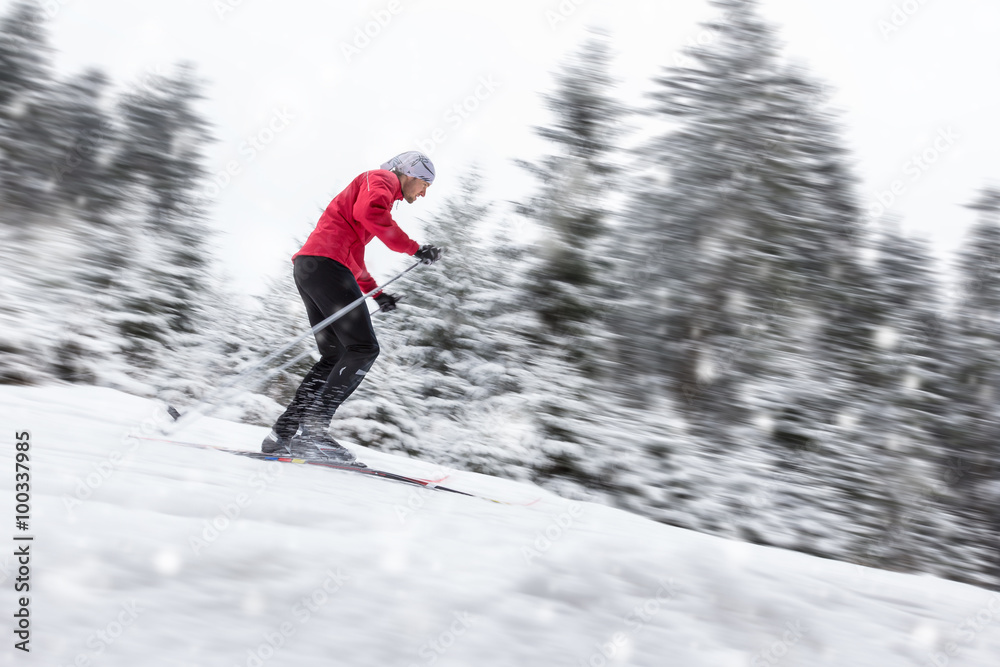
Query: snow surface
[[320, 567]]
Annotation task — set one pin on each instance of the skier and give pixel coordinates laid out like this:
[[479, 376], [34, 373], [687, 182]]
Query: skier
[[330, 273]]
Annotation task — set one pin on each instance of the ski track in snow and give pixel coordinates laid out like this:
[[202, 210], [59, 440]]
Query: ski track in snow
[[321, 567]]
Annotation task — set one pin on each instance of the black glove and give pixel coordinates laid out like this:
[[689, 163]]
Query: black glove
[[428, 254], [386, 302]]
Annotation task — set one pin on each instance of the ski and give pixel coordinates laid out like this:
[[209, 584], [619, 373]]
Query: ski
[[417, 481], [371, 472]]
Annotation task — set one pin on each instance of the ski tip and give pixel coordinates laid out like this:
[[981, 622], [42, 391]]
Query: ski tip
[[172, 411]]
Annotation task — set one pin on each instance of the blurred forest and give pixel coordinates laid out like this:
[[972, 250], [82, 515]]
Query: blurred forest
[[710, 332]]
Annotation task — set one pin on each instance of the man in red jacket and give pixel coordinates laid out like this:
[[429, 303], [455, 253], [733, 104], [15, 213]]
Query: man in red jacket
[[330, 273]]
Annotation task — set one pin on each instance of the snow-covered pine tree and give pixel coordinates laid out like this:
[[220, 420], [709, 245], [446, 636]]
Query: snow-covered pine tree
[[88, 204], [24, 54], [914, 333], [44, 315], [978, 316], [770, 314], [568, 281], [27, 153], [23, 69], [100, 211], [165, 284], [735, 217], [909, 416], [750, 226], [83, 137], [974, 440]]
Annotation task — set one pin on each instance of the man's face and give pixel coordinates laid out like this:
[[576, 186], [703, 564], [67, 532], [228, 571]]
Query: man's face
[[413, 188]]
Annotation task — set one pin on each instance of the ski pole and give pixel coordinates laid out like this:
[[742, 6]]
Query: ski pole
[[181, 421]]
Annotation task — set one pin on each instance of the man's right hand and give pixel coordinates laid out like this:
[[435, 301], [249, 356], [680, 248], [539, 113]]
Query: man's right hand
[[428, 254]]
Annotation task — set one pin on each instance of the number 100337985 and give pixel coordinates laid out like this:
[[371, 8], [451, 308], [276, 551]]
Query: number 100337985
[[22, 479]]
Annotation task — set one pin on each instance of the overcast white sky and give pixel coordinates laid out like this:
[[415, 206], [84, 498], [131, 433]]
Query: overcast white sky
[[265, 61]]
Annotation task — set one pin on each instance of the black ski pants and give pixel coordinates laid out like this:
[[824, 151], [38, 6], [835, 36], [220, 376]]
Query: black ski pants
[[348, 347]]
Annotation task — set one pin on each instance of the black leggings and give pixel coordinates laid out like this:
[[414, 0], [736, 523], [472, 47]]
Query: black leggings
[[348, 346]]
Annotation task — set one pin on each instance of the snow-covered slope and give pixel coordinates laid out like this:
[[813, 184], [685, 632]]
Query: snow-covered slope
[[148, 553]]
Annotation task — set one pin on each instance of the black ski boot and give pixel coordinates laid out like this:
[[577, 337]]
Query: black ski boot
[[275, 444], [321, 447]]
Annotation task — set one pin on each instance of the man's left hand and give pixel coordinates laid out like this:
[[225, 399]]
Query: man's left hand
[[386, 302]]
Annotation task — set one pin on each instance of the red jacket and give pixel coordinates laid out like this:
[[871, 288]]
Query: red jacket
[[356, 216]]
